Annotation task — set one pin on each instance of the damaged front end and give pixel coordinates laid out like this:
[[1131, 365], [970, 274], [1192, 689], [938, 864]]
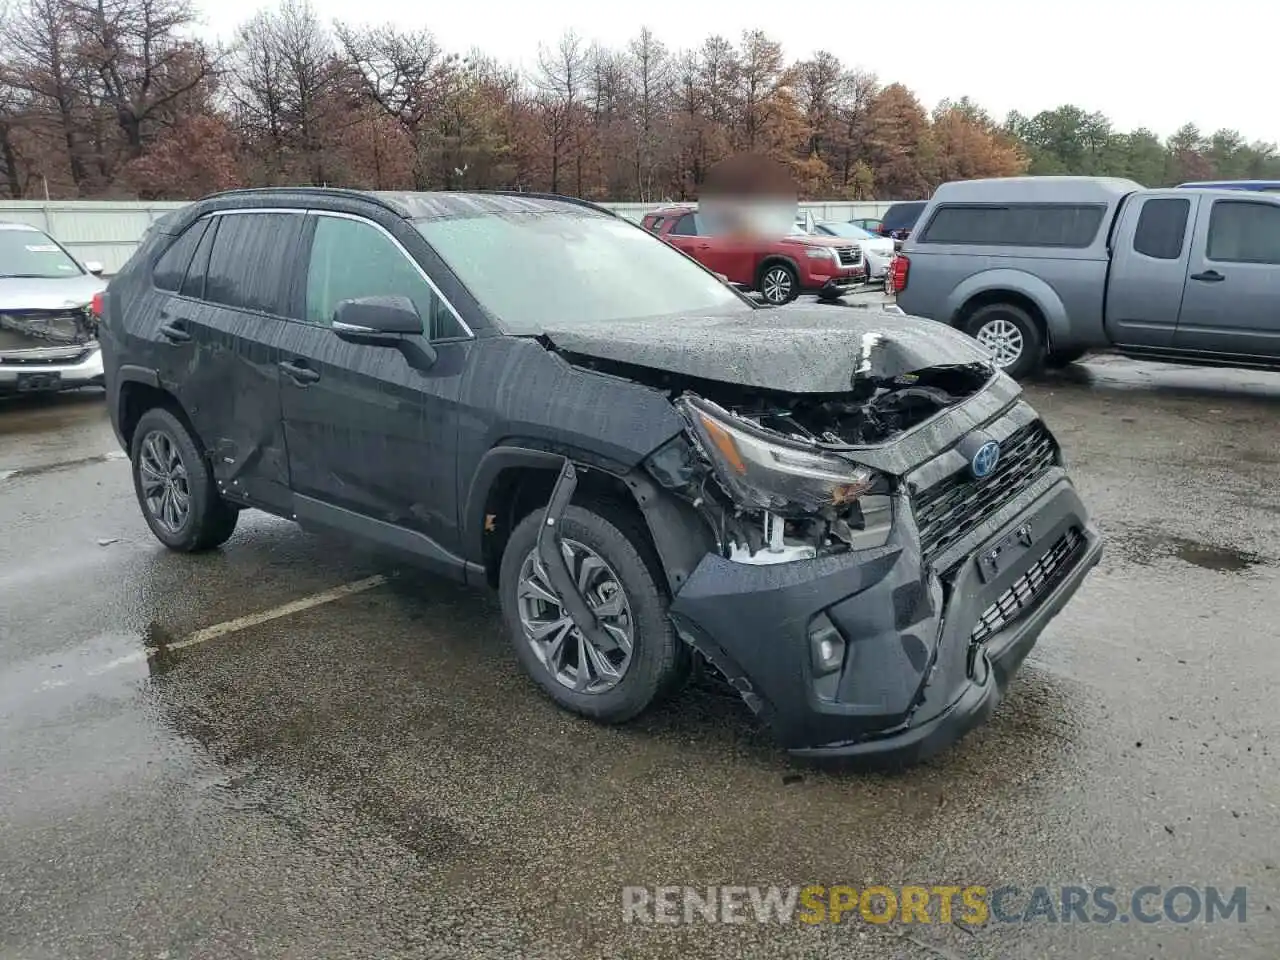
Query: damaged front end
[[778, 475], [823, 604]]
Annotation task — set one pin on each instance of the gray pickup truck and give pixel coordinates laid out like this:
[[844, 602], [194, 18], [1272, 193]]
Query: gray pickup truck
[[1042, 269]]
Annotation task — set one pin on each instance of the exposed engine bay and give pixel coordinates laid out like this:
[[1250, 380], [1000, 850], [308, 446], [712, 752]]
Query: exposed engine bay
[[777, 474]]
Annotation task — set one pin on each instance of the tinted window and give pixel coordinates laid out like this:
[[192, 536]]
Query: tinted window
[[1020, 225], [172, 265], [1243, 232], [352, 259], [252, 258], [686, 226], [586, 267], [193, 282], [1161, 226]]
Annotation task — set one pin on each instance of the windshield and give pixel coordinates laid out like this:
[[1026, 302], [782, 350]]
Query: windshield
[[29, 253], [556, 268], [850, 230]]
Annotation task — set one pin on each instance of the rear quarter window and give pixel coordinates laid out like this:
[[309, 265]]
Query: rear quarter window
[[173, 263], [1065, 225]]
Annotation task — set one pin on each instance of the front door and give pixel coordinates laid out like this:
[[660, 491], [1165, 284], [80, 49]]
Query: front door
[[218, 336], [372, 429], [1232, 301]]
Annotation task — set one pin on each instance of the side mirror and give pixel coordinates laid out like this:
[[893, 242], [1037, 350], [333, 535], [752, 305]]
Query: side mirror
[[376, 319], [95, 267]]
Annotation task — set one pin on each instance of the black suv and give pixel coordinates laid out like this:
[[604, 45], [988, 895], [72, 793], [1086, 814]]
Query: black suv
[[852, 516], [900, 219]]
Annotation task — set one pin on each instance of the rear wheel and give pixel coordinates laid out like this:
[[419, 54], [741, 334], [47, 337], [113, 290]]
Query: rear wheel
[[175, 487], [779, 284], [640, 660], [1012, 336]]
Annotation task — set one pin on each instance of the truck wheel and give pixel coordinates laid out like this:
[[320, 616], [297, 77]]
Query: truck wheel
[[1012, 336], [1057, 359], [175, 487], [606, 554], [779, 284]]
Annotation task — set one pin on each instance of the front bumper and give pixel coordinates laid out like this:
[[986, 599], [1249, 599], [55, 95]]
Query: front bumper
[[914, 679], [83, 371]]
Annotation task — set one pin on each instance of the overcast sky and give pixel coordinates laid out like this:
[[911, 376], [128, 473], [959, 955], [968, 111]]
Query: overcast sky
[[1142, 62]]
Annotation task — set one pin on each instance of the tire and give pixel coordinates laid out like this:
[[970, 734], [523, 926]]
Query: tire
[[659, 661], [1057, 359], [1012, 335], [161, 438], [779, 284]]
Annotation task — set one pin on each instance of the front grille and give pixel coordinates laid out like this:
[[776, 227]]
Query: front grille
[[849, 256], [1027, 589], [953, 508]]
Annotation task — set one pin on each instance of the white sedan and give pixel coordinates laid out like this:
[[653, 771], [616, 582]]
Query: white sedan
[[876, 251]]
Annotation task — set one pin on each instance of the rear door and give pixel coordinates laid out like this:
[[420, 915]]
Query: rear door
[[1232, 300], [372, 429], [221, 331], [1149, 268]]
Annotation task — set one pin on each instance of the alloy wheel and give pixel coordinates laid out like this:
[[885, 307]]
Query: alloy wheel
[[165, 485], [562, 649], [1003, 339], [776, 285]]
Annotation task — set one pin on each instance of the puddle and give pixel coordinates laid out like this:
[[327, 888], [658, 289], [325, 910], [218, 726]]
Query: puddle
[[1210, 557], [1146, 548], [61, 465]]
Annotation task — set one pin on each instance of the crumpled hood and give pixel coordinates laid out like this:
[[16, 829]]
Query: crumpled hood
[[53, 293], [800, 348]]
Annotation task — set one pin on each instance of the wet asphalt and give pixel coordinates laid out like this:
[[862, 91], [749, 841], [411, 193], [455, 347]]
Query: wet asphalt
[[373, 777]]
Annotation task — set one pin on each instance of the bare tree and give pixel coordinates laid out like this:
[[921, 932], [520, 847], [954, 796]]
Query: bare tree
[[561, 80], [407, 74], [40, 59], [144, 61], [651, 75], [283, 70]]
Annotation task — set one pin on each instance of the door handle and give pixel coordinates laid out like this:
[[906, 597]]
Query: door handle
[[299, 372], [704, 246], [1209, 276], [174, 333]]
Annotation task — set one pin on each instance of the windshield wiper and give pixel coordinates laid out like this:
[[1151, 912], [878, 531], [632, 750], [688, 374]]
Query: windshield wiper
[[31, 276]]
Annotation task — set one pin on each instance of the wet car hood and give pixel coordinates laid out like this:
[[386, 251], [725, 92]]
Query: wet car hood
[[53, 293], [799, 348]]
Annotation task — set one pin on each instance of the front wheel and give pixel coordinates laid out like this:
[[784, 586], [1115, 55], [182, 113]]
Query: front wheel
[[175, 486], [1012, 336], [779, 284], [639, 661]]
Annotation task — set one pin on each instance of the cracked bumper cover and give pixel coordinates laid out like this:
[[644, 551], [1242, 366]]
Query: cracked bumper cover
[[912, 681]]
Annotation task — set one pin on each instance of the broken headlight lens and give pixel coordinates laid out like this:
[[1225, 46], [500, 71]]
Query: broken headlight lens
[[783, 479]]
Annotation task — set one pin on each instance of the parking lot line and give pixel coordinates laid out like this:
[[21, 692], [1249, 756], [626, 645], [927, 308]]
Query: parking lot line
[[206, 634]]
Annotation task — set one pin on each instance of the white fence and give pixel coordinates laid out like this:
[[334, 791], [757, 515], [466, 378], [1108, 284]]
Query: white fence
[[108, 230]]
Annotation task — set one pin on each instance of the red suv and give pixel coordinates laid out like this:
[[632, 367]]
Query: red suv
[[781, 268]]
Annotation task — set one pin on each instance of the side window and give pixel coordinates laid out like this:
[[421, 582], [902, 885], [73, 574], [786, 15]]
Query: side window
[[352, 258], [252, 258], [193, 282], [1244, 232], [172, 265], [655, 223], [686, 226], [1161, 227], [1020, 225]]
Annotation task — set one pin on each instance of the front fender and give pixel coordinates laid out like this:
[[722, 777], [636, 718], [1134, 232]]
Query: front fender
[[1014, 281]]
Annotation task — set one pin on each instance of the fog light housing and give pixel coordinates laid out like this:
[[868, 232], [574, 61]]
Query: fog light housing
[[826, 645]]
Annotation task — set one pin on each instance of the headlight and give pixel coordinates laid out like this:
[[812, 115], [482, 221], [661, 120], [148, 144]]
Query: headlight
[[783, 479], [819, 253]]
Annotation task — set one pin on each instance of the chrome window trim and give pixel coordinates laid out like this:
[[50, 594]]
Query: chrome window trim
[[470, 334]]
